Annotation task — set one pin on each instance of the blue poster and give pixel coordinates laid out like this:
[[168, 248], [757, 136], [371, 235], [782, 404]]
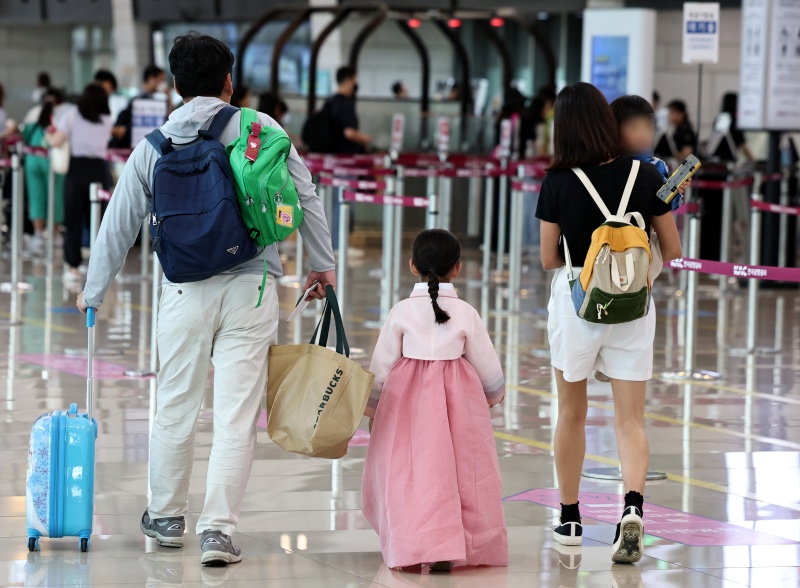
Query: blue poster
[[610, 66]]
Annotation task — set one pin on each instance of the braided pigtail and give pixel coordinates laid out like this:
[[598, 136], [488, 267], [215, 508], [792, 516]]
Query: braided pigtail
[[433, 289]]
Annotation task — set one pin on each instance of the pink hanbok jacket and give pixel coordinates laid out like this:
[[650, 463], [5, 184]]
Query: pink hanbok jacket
[[410, 332]]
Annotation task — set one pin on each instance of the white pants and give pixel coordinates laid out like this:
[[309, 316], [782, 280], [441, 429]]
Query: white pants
[[578, 347], [210, 322]]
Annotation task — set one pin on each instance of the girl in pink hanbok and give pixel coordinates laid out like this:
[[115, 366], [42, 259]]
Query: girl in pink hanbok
[[431, 486]]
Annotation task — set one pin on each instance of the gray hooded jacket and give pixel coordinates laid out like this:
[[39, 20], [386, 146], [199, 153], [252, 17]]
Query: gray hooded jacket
[[131, 203]]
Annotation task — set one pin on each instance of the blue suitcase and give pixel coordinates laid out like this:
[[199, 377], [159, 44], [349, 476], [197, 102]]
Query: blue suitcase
[[60, 483]]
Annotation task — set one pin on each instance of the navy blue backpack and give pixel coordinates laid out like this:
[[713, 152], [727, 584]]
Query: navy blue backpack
[[195, 223]]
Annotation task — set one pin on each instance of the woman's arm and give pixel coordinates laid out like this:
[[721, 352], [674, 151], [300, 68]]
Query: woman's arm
[[550, 233], [668, 236]]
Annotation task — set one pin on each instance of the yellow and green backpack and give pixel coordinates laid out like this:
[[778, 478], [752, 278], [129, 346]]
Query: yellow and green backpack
[[613, 286]]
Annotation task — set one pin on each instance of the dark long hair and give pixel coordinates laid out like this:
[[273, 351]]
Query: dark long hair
[[435, 253], [52, 98], [585, 130], [93, 103]]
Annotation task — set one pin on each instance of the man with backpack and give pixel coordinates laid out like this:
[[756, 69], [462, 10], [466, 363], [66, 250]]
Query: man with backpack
[[223, 311]]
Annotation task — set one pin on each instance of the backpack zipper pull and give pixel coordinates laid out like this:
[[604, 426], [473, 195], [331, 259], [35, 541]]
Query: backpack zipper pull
[[263, 207]]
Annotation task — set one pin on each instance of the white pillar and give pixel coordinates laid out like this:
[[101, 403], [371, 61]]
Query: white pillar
[[331, 57], [131, 42]]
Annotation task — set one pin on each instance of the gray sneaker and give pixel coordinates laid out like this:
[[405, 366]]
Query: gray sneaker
[[218, 549], [168, 532]]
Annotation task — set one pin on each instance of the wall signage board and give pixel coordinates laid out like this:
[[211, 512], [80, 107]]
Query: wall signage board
[[700, 32], [610, 65], [769, 85]]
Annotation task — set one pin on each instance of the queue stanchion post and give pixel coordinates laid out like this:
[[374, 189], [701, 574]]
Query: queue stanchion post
[[143, 371], [726, 230], [486, 263], [514, 250], [399, 189], [344, 244], [51, 214], [783, 222], [17, 219], [691, 298], [430, 189], [144, 248], [752, 286], [433, 212], [387, 275], [683, 277], [445, 202], [502, 221], [94, 212]]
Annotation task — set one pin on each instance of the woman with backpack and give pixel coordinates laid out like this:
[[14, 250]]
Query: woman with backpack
[[587, 159], [88, 129]]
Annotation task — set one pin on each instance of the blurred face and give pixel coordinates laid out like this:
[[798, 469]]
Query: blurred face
[[155, 83], [638, 135], [676, 117], [107, 86]]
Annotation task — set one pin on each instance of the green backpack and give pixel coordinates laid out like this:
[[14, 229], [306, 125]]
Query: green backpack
[[265, 190]]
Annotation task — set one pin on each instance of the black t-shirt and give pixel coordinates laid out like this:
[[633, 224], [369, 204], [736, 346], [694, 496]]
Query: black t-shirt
[[685, 137], [564, 200], [343, 116]]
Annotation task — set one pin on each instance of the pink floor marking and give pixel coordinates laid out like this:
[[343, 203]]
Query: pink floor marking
[[659, 521]]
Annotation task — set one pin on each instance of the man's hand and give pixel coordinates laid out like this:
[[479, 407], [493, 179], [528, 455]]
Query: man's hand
[[325, 279], [81, 304]]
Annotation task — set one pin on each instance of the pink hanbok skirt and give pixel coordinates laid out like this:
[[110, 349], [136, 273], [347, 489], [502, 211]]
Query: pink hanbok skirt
[[431, 485]]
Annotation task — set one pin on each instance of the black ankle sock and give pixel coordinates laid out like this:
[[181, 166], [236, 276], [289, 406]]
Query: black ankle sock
[[633, 498], [570, 513]]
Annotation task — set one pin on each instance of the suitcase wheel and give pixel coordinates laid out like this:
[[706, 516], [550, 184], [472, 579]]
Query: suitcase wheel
[[32, 543], [84, 545]]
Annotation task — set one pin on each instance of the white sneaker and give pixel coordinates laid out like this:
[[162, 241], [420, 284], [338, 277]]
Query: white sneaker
[[628, 542], [568, 534], [36, 245]]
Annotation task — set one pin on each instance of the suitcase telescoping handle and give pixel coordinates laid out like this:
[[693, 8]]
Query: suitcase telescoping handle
[[90, 318]]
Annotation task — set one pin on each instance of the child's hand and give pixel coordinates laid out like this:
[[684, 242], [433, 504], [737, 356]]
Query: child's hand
[[687, 183], [496, 401]]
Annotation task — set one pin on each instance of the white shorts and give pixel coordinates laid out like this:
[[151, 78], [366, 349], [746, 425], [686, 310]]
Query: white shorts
[[578, 347]]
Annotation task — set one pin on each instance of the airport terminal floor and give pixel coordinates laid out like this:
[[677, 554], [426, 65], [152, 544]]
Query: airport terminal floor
[[726, 515]]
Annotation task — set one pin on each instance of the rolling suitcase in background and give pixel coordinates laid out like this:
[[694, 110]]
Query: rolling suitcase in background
[[60, 483]]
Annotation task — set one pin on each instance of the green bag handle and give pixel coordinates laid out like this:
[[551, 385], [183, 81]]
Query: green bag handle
[[331, 310]]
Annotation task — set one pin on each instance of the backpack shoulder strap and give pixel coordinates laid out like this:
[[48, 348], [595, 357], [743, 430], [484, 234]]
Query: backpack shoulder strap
[[220, 121], [158, 141], [592, 192], [626, 194], [248, 117]]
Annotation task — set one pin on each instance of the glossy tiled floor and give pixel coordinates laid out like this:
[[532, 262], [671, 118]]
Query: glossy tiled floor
[[728, 514]]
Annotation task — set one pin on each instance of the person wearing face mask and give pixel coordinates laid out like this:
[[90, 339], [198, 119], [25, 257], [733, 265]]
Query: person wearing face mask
[[344, 120]]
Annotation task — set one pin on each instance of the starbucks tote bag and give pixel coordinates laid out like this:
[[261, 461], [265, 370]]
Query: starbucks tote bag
[[316, 396]]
